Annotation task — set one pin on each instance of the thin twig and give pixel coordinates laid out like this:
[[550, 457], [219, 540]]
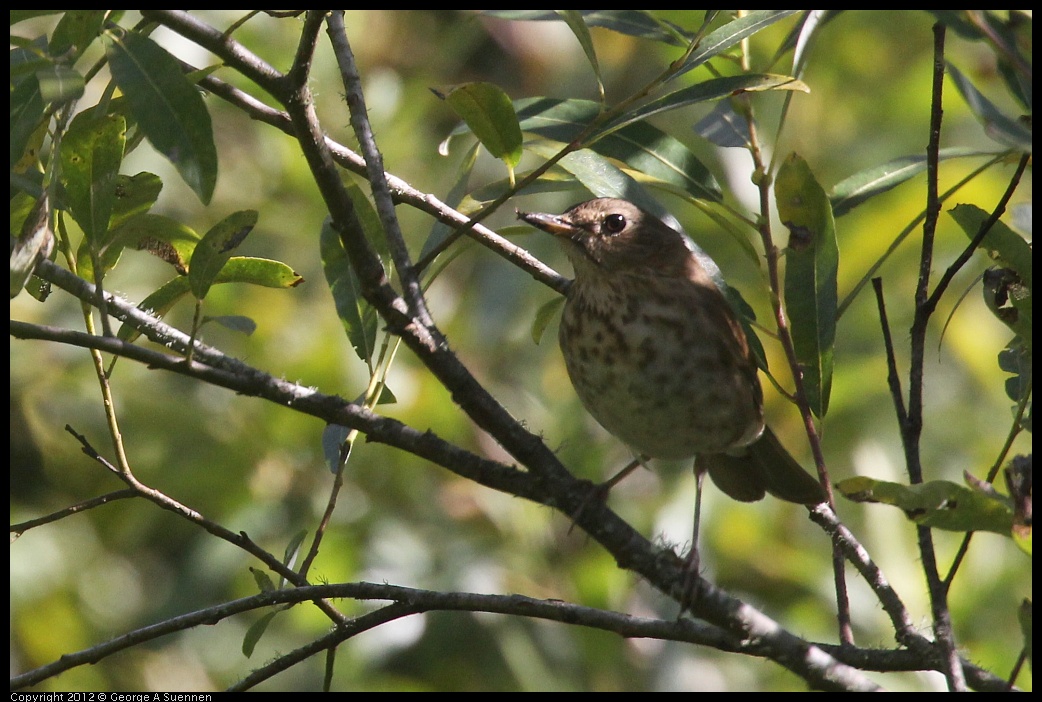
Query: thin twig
[[911, 430], [20, 528]]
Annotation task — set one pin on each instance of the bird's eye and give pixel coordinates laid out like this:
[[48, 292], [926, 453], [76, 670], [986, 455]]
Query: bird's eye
[[614, 223]]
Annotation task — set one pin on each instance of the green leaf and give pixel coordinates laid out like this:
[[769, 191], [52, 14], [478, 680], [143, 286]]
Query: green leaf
[[91, 153], [635, 23], [1000, 127], [76, 30], [333, 438], [1006, 289], [255, 632], [59, 84], [258, 271], [263, 580], [938, 504], [26, 115], [167, 107], [241, 269], [856, 189], [289, 557], [641, 146], [1003, 245], [730, 34], [543, 315], [574, 20], [135, 195], [235, 322], [713, 89], [488, 112], [161, 236], [369, 219], [811, 265], [354, 312], [215, 249]]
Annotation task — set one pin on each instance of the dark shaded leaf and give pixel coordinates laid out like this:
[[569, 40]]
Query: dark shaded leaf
[[811, 266], [354, 312], [167, 108], [641, 146], [997, 125]]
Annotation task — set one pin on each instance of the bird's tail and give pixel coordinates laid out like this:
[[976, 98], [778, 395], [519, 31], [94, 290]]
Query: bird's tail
[[764, 466]]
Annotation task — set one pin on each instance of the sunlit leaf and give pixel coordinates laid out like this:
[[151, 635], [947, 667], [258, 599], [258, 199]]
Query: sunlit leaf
[[811, 266], [215, 249], [241, 269], [1001, 244], [91, 153], [940, 504], [488, 112]]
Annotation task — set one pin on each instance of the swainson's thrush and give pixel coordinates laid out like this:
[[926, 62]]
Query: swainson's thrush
[[658, 357]]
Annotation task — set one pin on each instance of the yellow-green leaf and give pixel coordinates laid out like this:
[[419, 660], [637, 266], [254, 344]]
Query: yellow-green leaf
[[488, 112]]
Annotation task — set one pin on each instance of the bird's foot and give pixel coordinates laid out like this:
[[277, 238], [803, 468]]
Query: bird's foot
[[691, 582]]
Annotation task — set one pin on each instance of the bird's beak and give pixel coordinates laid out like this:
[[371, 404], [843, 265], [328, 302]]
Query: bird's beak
[[554, 224]]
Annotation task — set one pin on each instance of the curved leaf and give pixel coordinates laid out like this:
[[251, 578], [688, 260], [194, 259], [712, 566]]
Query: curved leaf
[[856, 189], [997, 125], [939, 504], [811, 266], [635, 23], [216, 247], [642, 146], [488, 112], [730, 34], [574, 20], [241, 269], [355, 313], [712, 89]]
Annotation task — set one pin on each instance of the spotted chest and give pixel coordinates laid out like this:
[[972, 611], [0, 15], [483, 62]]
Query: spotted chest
[[662, 365]]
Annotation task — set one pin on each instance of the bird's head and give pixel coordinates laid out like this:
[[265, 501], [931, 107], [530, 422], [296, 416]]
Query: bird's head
[[608, 236]]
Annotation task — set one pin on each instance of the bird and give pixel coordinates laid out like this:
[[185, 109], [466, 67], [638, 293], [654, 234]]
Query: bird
[[658, 356]]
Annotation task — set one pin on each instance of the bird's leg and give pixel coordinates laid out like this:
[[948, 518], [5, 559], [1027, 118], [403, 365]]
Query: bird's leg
[[692, 578], [600, 491]]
